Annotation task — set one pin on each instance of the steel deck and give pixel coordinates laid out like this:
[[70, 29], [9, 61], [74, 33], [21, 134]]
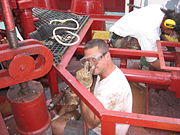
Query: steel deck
[[45, 16]]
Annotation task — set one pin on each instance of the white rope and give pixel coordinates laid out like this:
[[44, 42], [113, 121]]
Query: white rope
[[59, 38]]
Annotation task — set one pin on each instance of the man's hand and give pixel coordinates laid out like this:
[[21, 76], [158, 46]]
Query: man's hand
[[84, 75]]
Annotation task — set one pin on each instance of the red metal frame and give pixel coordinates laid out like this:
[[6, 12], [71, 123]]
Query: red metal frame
[[21, 70], [3, 128], [161, 55], [109, 118]]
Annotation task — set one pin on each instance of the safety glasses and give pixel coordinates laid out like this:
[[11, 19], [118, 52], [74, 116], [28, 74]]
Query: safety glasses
[[92, 59]]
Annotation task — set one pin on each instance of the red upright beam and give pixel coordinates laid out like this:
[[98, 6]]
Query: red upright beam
[[3, 129]]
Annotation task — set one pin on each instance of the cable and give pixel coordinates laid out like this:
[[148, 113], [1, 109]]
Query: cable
[[60, 38]]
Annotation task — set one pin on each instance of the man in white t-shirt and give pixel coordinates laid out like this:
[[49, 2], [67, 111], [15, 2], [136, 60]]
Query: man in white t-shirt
[[143, 24], [111, 87]]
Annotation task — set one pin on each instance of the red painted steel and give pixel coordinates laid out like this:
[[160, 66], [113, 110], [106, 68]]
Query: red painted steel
[[25, 17], [108, 125], [52, 4], [17, 70], [150, 77], [123, 63], [7, 15], [24, 4], [147, 99], [114, 5], [39, 3], [3, 128], [117, 117], [64, 4], [142, 120], [89, 7], [43, 62], [175, 83], [53, 82], [31, 116], [117, 52], [111, 6], [161, 55], [81, 91], [112, 117]]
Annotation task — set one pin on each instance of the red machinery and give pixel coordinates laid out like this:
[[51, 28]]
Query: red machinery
[[24, 61], [170, 80]]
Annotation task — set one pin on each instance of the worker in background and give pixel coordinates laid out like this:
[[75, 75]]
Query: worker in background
[[109, 85], [141, 28], [171, 33]]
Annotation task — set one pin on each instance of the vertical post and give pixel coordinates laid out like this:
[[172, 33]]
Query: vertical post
[[3, 128], [9, 24], [27, 23], [123, 63], [53, 81], [26, 17], [147, 99], [107, 128]]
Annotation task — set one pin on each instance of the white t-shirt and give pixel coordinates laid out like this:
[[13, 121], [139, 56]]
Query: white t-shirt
[[143, 24], [114, 93]]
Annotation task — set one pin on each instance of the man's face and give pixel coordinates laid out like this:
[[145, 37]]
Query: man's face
[[95, 58], [166, 30]]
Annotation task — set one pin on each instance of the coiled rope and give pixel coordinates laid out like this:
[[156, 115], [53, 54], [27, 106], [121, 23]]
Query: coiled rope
[[60, 38]]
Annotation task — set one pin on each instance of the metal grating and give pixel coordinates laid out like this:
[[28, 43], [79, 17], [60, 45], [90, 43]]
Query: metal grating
[[45, 16]]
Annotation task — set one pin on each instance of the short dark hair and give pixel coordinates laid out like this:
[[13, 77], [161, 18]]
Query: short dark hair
[[102, 46], [172, 14]]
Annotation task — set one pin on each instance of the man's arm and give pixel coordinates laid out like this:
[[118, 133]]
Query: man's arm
[[155, 64], [89, 117], [84, 76]]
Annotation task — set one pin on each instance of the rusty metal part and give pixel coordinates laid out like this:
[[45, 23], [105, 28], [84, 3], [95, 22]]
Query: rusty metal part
[[29, 108]]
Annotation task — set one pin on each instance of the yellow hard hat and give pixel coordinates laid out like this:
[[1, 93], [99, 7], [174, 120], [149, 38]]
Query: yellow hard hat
[[169, 23]]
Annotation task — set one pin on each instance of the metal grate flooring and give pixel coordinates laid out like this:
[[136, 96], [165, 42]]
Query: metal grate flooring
[[45, 16]]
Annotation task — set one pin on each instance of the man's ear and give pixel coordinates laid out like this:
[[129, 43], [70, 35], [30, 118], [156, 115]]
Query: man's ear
[[108, 56]]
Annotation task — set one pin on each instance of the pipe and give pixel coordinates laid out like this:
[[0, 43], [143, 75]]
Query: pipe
[[150, 77], [9, 24]]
